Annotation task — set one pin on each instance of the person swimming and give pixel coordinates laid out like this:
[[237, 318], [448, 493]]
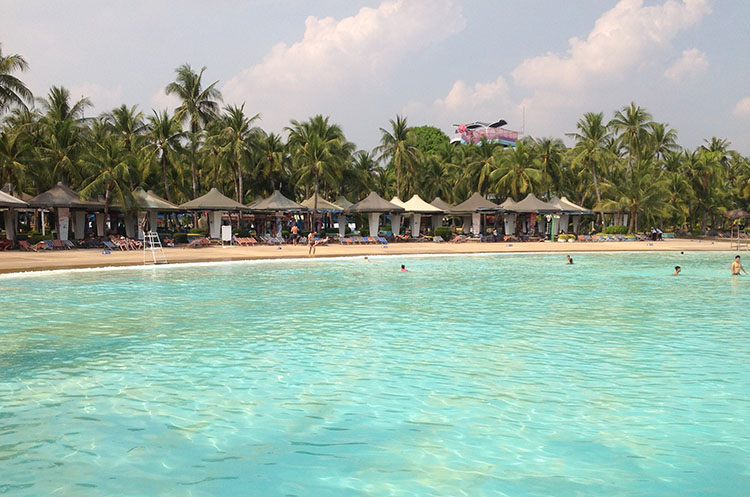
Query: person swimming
[[570, 259], [736, 267], [403, 269], [677, 270]]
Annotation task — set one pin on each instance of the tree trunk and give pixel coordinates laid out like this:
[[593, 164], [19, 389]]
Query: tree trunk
[[164, 175]]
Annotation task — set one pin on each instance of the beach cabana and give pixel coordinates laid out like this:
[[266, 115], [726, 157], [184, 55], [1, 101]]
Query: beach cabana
[[471, 211], [533, 206], [216, 203], [148, 204], [444, 206], [10, 203], [374, 205], [417, 208], [316, 203], [342, 202], [396, 217], [64, 200], [568, 211], [278, 204], [509, 219]]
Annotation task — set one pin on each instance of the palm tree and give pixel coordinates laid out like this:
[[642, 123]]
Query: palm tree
[[590, 152], [165, 134], [397, 146], [199, 107], [13, 92], [481, 162], [517, 174], [108, 165], [641, 189], [234, 133], [13, 156], [319, 150], [272, 166], [548, 153], [632, 123]]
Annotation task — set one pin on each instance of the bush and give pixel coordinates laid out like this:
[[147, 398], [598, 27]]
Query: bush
[[616, 230], [180, 237], [197, 231], [444, 232]]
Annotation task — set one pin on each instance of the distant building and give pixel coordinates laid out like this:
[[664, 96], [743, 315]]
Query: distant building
[[492, 132]]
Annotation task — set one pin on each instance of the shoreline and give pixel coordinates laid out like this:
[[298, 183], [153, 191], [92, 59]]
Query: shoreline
[[19, 262]]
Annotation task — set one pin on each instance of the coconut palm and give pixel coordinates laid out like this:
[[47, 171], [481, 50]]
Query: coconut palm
[[13, 157], [199, 107], [233, 135], [632, 123], [13, 91], [165, 135], [397, 147], [517, 174], [548, 153], [481, 162], [109, 166], [590, 153]]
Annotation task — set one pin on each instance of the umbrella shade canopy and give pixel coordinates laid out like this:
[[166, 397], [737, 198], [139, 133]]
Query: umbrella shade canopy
[[278, 203], [736, 214], [475, 203], [374, 203], [343, 202], [533, 204], [23, 196], [442, 205], [397, 201], [62, 196], [509, 204], [416, 204], [11, 201], [568, 207], [148, 202], [322, 204], [214, 200]]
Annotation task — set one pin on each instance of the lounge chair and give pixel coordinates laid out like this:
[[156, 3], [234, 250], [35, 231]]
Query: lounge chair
[[5, 243], [26, 246], [199, 242], [58, 244], [43, 245], [109, 245], [69, 244], [383, 240], [345, 240]]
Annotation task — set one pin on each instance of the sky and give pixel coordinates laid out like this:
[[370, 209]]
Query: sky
[[538, 64]]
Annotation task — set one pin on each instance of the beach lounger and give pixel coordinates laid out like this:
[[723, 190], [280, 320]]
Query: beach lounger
[[69, 244], [582, 238], [58, 244], [108, 244], [26, 246], [383, 240], [5, 243], [345, 240], [199, 242], [438, 239], [43, 245]]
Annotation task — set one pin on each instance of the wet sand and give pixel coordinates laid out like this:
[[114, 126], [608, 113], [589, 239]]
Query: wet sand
[[17, 261]]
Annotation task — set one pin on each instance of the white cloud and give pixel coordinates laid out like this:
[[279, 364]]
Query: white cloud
[[620, 41], [103, 98], [341, 59], [691, 63], [551, 88], [742, 109], [161, 101]]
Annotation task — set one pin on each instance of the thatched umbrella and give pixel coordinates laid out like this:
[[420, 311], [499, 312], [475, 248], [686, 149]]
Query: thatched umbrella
[[472, 210], [63, 200], [217, 203], [374, 205], [11, 203]]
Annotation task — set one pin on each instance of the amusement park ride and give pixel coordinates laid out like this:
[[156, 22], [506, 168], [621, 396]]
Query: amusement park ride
[[492, 132]]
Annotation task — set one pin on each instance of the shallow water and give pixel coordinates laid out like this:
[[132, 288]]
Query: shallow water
[[492, 375]]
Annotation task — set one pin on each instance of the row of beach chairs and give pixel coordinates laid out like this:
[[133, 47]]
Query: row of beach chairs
[[362, 240]]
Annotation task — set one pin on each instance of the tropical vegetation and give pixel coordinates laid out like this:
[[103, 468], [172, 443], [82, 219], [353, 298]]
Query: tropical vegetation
[[628, 164]]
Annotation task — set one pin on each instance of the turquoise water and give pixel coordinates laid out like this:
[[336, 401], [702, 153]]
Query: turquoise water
[[511, 375]]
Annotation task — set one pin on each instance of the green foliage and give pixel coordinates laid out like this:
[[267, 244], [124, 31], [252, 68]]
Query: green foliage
[[616, 230], [180, 237], [429, 139], [444, 232], [197, 231]]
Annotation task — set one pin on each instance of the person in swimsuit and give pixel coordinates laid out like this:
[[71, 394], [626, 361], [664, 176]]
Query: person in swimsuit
[[737, 267], [570, 259], [311, 243], [295, 233], [677, 270], [403, 269]]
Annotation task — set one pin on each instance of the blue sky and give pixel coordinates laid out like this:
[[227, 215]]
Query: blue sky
[[437, 62]]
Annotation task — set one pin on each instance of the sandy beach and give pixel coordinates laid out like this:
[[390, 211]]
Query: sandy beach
[[17, 261]]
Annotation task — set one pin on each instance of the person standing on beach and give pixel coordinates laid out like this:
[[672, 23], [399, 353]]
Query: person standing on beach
[[737, 267], [295, 233], [311, 243]]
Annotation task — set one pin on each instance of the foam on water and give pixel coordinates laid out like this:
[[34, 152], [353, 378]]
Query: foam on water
[[485, 375]]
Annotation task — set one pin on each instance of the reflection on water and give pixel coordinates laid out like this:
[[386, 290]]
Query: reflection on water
[[484, 375]]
